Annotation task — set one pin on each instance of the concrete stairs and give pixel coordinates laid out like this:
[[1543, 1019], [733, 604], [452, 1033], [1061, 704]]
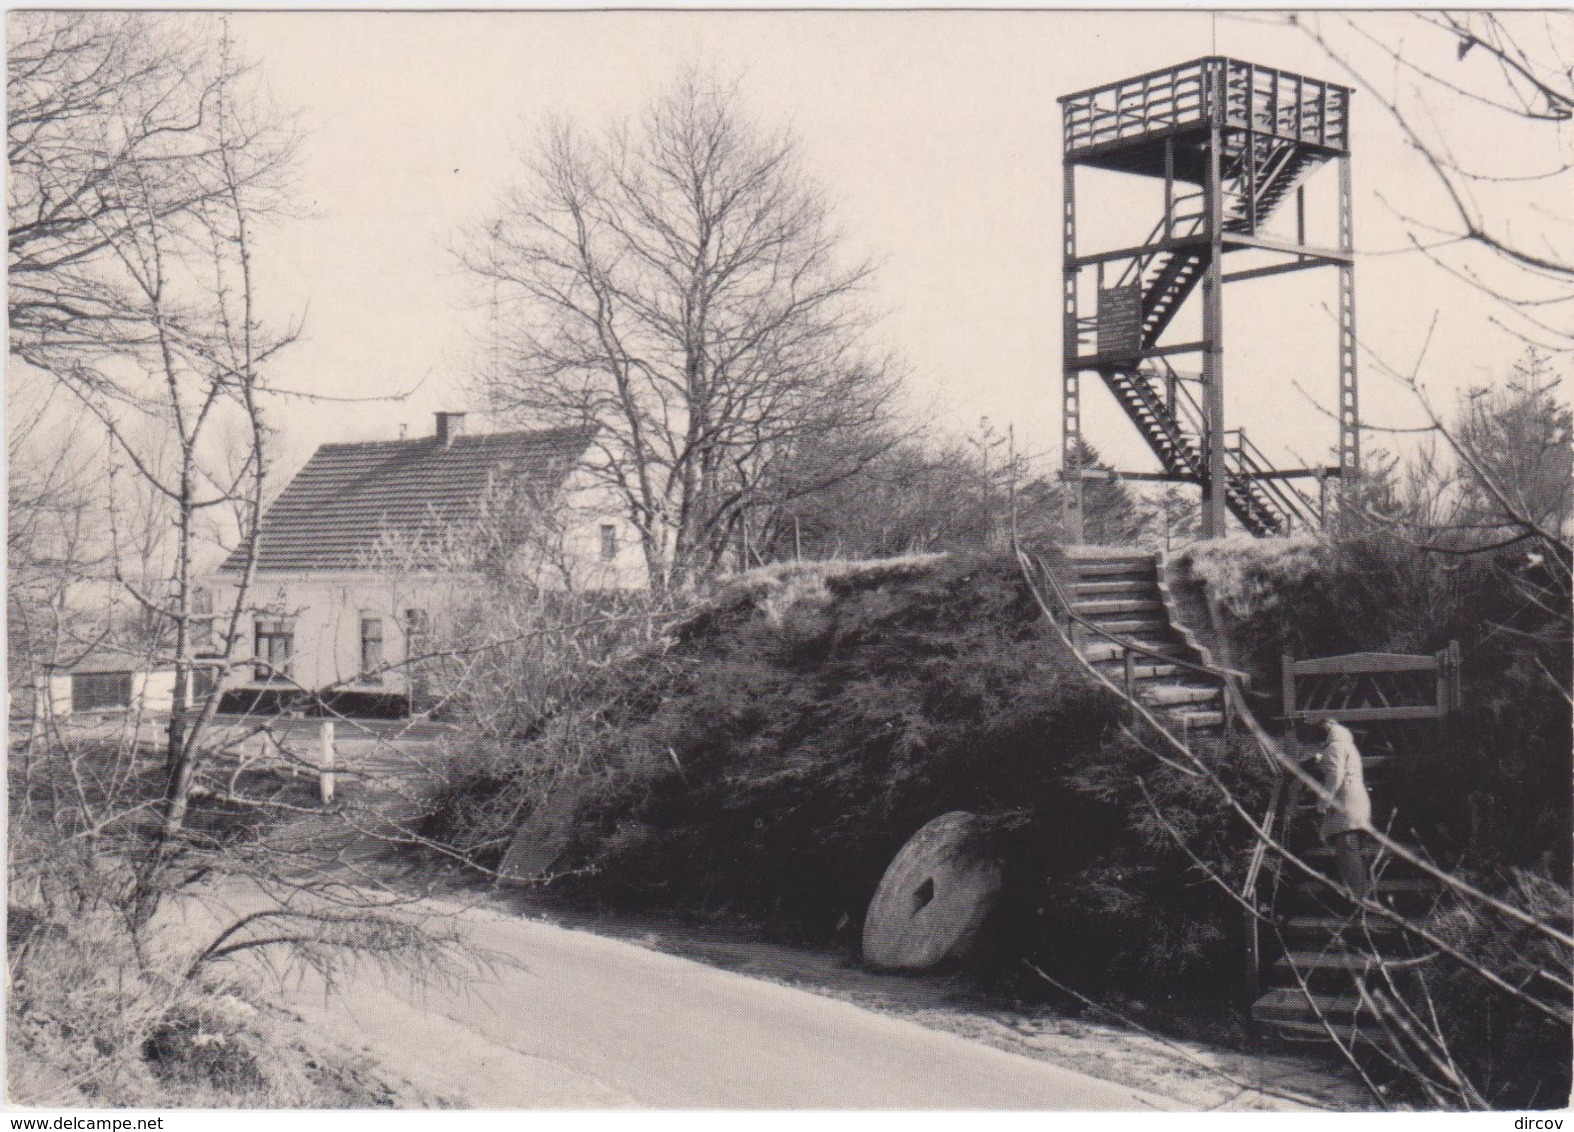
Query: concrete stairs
[[1120, 592]]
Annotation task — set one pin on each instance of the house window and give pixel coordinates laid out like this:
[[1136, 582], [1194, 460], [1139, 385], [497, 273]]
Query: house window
[[275, 643], [371, 650], [609, 542], [95, 691]]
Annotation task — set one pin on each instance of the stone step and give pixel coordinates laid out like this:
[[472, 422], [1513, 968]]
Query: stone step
[[1307, 961], [1106, 569], [1313, 1032], [1199, 720], [1098, 611], [1169, 695], [1124, 626], [1102, 652], [1120, 587], [1292, 1004], [1145, 670], [1327, 927]]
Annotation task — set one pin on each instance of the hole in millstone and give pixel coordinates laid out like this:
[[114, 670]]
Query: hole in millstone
[[923, 894]]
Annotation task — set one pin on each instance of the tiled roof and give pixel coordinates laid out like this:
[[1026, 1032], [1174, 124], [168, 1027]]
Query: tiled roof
[[350, 497]]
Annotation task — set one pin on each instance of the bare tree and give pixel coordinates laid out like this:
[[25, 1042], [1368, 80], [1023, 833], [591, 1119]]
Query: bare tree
[[675, 282], [143, 161], [1500, 224], [1501, 221], [110, 133]]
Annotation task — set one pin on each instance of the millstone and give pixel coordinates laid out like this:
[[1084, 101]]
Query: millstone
[[933, 898], [540, 840]]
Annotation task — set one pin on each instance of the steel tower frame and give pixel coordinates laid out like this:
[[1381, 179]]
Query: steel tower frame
[[1232, 142]]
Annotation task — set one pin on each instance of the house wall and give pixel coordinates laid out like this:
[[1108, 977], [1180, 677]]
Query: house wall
[[326, 609], [154, 691], [325, 612], [60, 694], [587, 506]]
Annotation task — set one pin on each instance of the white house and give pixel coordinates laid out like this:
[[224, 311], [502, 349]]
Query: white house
[[373, 544]]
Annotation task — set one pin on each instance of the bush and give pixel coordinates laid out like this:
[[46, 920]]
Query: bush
[[772, 759], [1516, 1055], [1487, 797]]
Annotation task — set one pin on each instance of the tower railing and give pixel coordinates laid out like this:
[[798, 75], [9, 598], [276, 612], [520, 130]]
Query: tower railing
[[1151, 103], [1257, 98], [1295, 509]]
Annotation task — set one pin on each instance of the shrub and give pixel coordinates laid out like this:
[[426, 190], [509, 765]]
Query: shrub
[[1515, 1054], [775, 755], [1489, 795]]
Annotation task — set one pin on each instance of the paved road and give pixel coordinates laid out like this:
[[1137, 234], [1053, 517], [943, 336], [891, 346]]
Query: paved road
[[591, 1022]]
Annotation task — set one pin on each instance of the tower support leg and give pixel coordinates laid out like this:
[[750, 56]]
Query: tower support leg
[[1215, 480], [1349, 404], [1070, 378]]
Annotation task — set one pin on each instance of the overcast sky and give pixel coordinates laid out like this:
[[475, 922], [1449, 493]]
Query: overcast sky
[[936, 135]]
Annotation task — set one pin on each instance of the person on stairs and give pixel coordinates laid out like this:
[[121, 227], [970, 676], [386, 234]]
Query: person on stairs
[[1347, 811]]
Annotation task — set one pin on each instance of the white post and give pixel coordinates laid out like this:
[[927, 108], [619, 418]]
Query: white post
[[325, 771]]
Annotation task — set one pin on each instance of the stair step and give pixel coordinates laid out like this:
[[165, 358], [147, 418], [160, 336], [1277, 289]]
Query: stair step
[[1292, 1004], [1096, 610], [1131, 626], [1314, 1031], [1089, 569], [1108, 652], [1324, 961], [1141, 671], [1329, 926], [1197, 720], [1119, 588], [1166, 695]]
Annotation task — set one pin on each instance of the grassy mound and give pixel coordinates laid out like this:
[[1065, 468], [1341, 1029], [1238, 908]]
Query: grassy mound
[[772, 760]]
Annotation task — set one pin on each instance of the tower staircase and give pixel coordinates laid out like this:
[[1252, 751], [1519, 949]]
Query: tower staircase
[[1259, 176]]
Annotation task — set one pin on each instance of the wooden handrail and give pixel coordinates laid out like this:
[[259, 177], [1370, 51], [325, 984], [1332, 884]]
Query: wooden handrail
[[1253, 911]]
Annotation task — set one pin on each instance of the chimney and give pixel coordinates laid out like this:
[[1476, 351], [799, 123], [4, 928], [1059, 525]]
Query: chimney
[[449, 425]]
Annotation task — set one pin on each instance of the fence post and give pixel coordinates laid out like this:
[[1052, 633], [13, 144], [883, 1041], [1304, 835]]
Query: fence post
[[1131, 708], [325, 766]]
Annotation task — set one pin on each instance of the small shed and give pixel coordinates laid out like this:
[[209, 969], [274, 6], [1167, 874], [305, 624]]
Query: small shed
[[108, 680]]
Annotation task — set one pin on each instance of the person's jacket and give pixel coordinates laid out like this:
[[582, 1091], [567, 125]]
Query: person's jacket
[[1351, 806]]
